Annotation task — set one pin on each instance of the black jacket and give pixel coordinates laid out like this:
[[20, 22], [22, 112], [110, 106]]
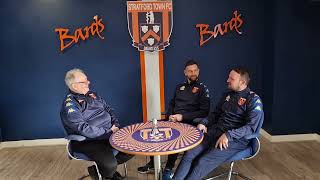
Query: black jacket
[[191, 100]]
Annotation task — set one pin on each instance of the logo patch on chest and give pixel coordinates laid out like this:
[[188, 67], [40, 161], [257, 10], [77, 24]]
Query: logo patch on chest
[[195, 89], [182, 88], [69, 104], [68, 99], [93, 96], [71, 110], [242, 101]]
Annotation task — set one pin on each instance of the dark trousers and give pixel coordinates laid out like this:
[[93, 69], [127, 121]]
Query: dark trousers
[[101, 152], [170, 162], [172, 158], [201, 160]]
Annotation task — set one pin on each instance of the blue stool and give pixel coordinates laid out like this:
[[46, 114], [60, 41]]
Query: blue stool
[[81, 156], [250, 152]]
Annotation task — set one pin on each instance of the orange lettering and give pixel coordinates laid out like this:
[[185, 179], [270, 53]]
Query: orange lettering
[[203, 31], [78, 34], [95, 28], [62, 36], [205, 34]]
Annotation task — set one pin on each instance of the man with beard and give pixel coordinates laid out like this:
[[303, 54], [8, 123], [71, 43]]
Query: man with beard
[[237, 115], [190, 103]]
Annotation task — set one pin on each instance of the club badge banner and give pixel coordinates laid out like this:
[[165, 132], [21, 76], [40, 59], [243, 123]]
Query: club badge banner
[[150, 24]]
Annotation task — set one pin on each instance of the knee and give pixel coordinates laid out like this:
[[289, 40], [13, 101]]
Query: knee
[[190, 156], [122, 158], [110, 164]]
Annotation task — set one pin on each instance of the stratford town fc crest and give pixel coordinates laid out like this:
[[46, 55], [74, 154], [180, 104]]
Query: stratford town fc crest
[[150, 24]]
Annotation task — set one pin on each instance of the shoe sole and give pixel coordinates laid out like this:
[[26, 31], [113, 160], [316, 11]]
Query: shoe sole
[[145, 172]]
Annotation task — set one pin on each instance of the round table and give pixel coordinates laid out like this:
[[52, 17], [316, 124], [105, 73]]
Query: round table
[[173, 137]]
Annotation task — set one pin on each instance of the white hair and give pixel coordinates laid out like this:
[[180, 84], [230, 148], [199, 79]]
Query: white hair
[[70, 77]]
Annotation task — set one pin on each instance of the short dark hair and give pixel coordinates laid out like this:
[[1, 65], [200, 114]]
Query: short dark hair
[[243, 73], [191, 62]]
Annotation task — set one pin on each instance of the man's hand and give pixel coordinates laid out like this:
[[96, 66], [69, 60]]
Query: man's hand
[[172, 118], [202, 128], [114, 128], [176, 117], [222, 142]]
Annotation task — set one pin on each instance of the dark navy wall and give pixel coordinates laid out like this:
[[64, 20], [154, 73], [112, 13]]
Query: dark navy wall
[[219, 55], [268, 63], [296, 62], [32, 67]]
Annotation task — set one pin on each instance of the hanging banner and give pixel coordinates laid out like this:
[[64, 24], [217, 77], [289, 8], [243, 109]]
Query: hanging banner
[[150, 24]]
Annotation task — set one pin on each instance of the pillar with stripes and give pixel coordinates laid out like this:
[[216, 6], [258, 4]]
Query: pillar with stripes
[[150, 26]]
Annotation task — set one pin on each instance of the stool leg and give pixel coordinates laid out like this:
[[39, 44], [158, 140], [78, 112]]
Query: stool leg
[[230, 171], [125, 170], [100, 177], [218, 176], [83, 177], [243, 177]]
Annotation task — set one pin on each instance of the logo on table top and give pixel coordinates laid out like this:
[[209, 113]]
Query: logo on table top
[[150, 24], [163, 134]]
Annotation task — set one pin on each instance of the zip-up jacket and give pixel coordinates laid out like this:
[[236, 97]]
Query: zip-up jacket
[[192, 100], [237, 113], [87, 115]]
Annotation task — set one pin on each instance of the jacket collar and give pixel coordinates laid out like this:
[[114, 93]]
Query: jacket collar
[[191, 83], [243, 92], [80, 96]]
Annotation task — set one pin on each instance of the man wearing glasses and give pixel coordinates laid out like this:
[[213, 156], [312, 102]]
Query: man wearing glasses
[[85, 113]]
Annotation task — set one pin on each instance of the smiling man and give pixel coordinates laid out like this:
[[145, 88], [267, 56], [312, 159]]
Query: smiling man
[[237, 115], [190, 102], [85, 113]]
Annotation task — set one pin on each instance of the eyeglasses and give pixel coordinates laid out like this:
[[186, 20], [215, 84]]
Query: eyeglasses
[[82, 82]]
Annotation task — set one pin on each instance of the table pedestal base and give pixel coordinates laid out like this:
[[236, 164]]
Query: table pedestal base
[[157, 168]]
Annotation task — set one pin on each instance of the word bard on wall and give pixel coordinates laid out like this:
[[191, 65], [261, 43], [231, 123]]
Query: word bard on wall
[[67, 40], [234, 24]]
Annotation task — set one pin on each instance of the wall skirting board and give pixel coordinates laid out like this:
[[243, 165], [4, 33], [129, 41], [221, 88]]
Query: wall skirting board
[[290, 137], [62, 141], [37, 142]]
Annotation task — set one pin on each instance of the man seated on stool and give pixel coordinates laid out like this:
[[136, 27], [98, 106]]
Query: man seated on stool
[[85, 113], [237, 115], [190, 101]]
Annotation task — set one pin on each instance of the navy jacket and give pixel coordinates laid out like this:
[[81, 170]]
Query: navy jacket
[[191, 100], [237, 113], [87, 115]]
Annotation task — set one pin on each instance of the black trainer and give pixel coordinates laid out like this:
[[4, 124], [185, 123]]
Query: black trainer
[[117, 175], [93, 172], [146, 168]]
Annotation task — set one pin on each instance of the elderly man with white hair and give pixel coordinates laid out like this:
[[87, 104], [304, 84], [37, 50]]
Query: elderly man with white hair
[[85, 113]]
